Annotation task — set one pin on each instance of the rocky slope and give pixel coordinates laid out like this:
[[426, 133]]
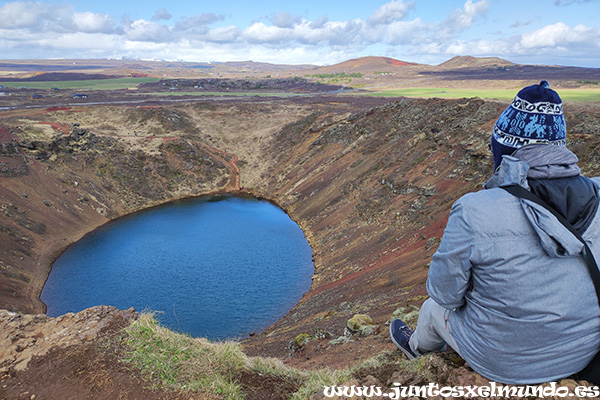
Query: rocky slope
[[370, 182], [373, 191]]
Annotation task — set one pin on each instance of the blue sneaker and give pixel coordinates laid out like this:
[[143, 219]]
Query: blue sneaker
[[400, 335]]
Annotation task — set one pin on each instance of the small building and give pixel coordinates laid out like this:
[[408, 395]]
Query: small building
[[36, 97], [80, 96]]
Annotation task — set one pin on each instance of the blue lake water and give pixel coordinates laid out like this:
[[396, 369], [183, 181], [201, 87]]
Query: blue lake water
[[217, 267]]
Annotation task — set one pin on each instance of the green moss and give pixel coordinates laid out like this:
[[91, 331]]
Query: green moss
[[301, 340], [408, 314], [358, 321]]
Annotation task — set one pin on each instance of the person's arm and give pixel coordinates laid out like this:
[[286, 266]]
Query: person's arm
[[450, 270]]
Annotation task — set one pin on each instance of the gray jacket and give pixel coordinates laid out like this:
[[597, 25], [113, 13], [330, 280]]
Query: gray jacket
[[524, 306]]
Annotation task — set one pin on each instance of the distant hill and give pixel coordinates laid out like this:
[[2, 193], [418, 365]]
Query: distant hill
[[469, 62], [365, 65], [253, 67], [20, 69], [370, 72]]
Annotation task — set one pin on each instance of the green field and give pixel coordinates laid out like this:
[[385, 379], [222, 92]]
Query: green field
[[502, 94], [92, 84], [221, 94]]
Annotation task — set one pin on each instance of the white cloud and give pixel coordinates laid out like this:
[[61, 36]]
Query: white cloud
[[390, 12], [480, 48], [199, 21], [90, 22], [285, 20], [78, 41], [347, 33], [463, 18], [330, 33], [163, 14], [261, 33], [404, 32], [558, 35], [263, 53], [142, 30], [319, 23], [549, 45], [24, 14], [306, 34], [224, 34], [518, 24], [569, 2]]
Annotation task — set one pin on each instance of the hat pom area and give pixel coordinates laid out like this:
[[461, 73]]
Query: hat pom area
[[544, 84]]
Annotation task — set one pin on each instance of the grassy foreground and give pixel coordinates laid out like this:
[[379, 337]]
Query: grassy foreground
[[179, 362]]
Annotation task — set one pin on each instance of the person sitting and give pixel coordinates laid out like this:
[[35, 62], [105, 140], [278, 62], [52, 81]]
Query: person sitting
[[508, 288]]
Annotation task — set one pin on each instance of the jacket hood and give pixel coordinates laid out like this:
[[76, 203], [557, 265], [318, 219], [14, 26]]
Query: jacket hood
[[541, 161], [512, 171], [548, 161], [535, 161]]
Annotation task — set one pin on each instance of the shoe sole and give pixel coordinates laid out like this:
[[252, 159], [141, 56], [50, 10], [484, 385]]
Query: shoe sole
[[406, 353]]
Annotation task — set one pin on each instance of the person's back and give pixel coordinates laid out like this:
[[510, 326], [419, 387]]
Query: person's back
[[524, 308], [532, 313]]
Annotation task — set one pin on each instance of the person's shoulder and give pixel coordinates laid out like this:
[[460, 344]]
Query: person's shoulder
[[484, 196]]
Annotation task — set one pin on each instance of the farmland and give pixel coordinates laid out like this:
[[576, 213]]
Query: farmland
[[91, 84], [219, 94], [583, 94]]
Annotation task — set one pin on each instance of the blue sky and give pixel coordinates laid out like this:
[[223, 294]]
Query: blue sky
[[556, 32]]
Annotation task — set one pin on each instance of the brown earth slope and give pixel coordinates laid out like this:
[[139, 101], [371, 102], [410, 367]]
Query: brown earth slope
[[370, 181]]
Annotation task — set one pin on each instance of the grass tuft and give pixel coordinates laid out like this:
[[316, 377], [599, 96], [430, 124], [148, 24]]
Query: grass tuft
[[177, 361], [316, 381]]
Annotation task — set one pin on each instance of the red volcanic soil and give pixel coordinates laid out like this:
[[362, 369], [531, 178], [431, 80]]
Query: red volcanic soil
[[52, 109], [364, 65], [61, 128], [393, 61]]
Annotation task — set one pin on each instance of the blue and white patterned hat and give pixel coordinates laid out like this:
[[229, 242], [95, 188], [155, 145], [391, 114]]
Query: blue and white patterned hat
[[534, 116]]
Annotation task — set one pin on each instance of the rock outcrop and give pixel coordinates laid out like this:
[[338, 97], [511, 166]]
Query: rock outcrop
[[24, 336]]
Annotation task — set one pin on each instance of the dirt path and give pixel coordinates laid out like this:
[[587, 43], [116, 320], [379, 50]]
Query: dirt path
[[235, 181]]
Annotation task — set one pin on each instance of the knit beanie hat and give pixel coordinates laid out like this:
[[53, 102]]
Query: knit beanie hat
[[534, 116]]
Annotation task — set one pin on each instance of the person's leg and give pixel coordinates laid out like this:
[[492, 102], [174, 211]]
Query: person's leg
[[433, 329]]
